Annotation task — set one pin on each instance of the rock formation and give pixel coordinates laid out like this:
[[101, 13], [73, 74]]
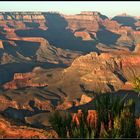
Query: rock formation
[[24, 80], [10, 131], [51, 61]]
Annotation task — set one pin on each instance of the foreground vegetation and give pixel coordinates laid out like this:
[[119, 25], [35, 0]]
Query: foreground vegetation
[[113, 118], [137, 85]]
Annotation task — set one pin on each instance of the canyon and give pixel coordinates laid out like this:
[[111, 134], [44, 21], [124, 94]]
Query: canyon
[[50, 61]]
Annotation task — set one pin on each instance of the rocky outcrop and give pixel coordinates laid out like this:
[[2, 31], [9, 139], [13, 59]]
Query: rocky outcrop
[[9, 131], [44, 53], [43, 105], [85, 99], [22, 75], [24, 80], [85, 20], [86, 15], [84, 25], [111, 25], [107, 71], [5, 102], [83, 35], [25, 16], [28, 38]]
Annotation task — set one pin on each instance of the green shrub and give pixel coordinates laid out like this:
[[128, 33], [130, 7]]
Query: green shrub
[[116, 119], [137, 85], [61, 123]]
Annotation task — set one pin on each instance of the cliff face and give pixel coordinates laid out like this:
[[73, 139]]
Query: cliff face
[[86, 28], [84, 35], [91, 72], [21, 80], [105, 72], [85, 20]]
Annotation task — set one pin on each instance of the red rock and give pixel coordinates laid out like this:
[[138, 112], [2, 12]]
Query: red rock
[[85, 99], [84, 35], [9, 131], [128, 86], [137, 48], [5, 103], [111, 25], [101, 69], [24, 80], [88, 20], [1, 44]]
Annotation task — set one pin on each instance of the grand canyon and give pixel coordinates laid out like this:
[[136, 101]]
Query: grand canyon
[[55, 62]]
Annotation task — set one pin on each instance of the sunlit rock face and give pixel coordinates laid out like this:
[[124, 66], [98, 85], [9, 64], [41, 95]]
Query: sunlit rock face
[[106, 71], [10, 131]]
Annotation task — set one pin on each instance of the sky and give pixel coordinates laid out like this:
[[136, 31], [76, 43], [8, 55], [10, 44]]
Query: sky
[[108, 8]]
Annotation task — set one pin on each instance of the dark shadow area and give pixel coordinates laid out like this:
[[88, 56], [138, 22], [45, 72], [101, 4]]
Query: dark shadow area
[[126, 21], [132, 48], [31, 24], [53, 94], [36, 110], [40, 97], [10, 26], [120, 76], [20, 114], [7, 70], [111, 87], [53, 97], [90, 93], [107, 37], [26, 48], [1, 28], [61, 91], [1, 52], [7, 97], [8, 48], [59, 36], [80, 29], [54, 102], [2, 34]]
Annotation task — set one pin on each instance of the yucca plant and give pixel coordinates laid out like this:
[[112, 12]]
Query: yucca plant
[[61, 124], [83, 130], [116, 119], [128, 127], [108, 107], [137, 85], [117, 115]]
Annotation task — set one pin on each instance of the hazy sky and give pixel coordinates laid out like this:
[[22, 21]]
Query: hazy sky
[[69, 7]]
